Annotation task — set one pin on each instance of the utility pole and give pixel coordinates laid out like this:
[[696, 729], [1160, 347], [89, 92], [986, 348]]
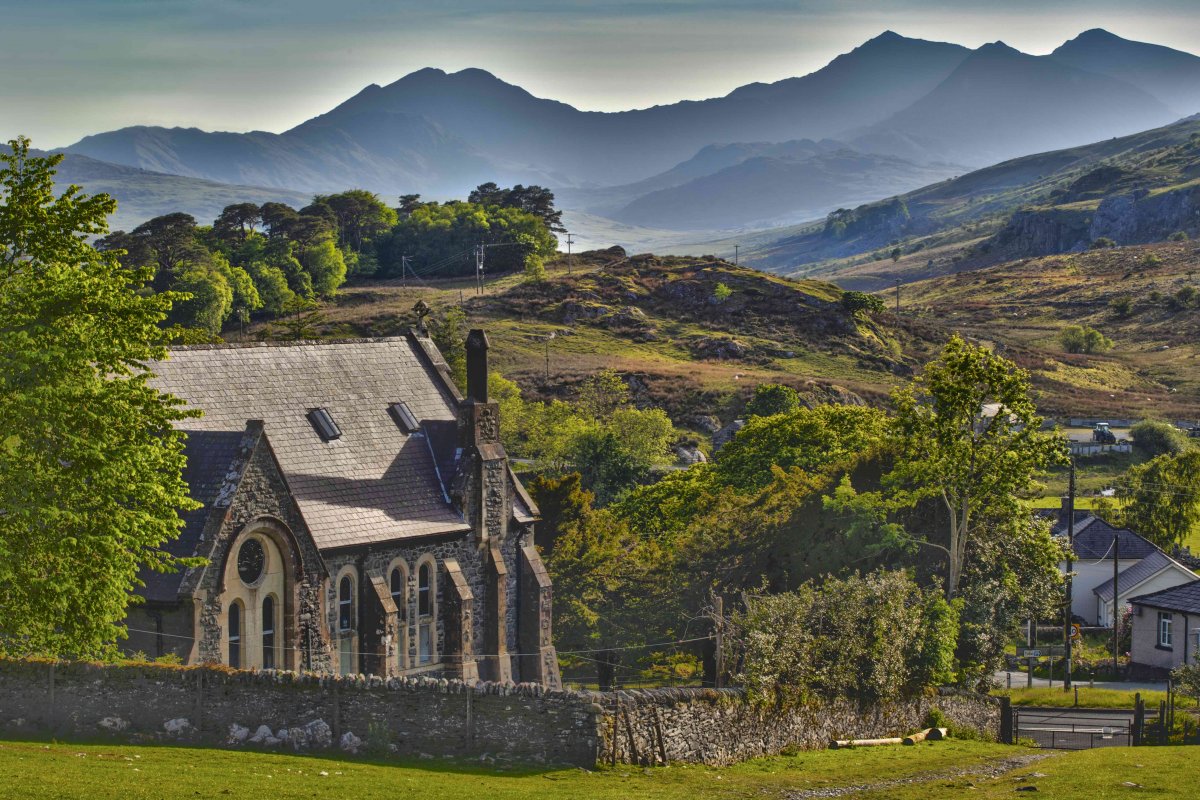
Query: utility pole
[[479, 268], [735, 254], [570, 242], [548, 338], [1117, 594], [897, 295], [1070, 552], [719, 616], [403, 270]]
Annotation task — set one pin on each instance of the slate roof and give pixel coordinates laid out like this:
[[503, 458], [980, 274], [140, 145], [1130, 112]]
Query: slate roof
[[1142, 571], [375, 483], [1185, 598], [1094, 537], [215, 460]]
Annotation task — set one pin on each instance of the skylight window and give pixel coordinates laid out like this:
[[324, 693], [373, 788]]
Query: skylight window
[[322, 420], [404, 417]]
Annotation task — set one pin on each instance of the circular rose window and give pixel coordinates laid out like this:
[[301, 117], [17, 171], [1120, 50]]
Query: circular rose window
[[250, 560]]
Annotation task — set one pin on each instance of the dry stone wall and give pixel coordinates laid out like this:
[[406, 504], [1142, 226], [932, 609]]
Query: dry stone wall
[[436, 718]]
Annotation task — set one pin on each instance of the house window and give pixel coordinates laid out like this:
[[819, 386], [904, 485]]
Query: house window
[[398, 582], [268, 632], [1164, 629], [235, 635], [426, 617], [346, 625]]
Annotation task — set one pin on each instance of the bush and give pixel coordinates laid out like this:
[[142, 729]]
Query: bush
[[1156, 437], [722, 292], [771, 399], [1102, 243], [860, 302], [1082, 339], [1151, 260], [869, 638], [1179, 236], [1122, 306]]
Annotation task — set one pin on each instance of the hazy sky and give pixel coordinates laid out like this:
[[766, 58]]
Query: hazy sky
[[74, 67]]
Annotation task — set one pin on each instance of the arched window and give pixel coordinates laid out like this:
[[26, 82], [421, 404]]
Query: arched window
[[235, 635], [426, 624], [398, 582], [347, 624], [268, 632]]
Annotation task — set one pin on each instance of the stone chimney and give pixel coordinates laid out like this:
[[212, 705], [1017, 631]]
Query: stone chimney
[[477, 366]]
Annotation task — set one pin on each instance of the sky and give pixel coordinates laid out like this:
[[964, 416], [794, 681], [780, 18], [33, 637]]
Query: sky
[[74, 67]]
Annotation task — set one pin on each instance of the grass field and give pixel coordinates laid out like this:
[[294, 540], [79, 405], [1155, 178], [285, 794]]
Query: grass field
[[1055, 697], [945, 769]]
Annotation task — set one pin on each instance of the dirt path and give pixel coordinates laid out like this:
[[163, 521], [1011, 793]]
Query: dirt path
[[991, 769]]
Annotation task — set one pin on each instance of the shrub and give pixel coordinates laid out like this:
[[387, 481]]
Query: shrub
[[1102, 243], [1186, 296], [1179, 236], [1122, 306], [860, 302], [722, 292], [772, 398], [1151, 260], [868, 638], [1156, 437], [1082, 339]]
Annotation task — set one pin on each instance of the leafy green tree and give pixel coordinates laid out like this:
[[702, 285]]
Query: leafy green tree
[[449, 332], [209, 299], [324, 263], [1161, 497], [872, 638], [236, 222], [811, 439], [1083, 339], [278, 218], [90, 462], [861, 303], [772, 398], [360, 216], [967, 436], [272, 287], [536, 200], [563, 503], [1155, 437]]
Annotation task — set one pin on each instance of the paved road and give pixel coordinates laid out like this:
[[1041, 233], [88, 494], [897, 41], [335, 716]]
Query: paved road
[[1075, 728], [1020, 680]]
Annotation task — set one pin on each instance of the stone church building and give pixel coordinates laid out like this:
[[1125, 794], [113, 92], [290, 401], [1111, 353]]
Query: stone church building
[[359, 515]]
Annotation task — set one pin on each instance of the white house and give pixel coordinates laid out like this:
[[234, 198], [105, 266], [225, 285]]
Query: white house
[[1142, 567]]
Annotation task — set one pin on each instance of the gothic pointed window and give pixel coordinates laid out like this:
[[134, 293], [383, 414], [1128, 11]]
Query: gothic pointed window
[[347, 624], [268, 632], [398, 582], [235, 635], [426, 612]]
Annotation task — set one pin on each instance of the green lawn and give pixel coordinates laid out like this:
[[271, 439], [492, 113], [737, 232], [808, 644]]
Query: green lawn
[[1110, 772], [99, 772]]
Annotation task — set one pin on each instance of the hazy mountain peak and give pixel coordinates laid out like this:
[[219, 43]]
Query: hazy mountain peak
[[1097, 35], [998, 48], [886, 36]]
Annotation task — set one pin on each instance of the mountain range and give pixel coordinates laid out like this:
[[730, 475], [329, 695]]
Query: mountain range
[[891, 115]]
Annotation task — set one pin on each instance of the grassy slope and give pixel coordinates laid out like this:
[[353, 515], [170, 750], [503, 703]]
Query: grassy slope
[[100, 772], [949, 218], [1154, 368], [650, 318]]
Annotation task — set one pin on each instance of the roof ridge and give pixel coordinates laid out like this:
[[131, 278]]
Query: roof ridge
[[290, 343]]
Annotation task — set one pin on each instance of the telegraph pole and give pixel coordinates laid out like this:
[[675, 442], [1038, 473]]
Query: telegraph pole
[[570, 242], [1070, 552], [403, 270], [735, 254], [1117, 594], [897, 295], [479, 269]]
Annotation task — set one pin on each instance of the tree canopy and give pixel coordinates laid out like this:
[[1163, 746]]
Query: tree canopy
[[90, 463]]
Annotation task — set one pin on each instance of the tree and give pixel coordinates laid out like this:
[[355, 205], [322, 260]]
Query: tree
[[1155, 437], [967, 435], [772, 398], [855, 303], [237, 221], [563, 503], [1083, 339], [278, 218], [449, 332], [360, 216], [1162, 497], [90, 462], [896, 253], [323, 262], [536, 200]]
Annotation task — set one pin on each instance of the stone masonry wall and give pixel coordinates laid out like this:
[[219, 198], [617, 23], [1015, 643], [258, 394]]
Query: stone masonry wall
[[433, 718], [403, 717], [716, 727]]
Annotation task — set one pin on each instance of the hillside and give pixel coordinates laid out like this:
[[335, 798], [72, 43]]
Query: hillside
[[947, 226], [659, 320], [1154, 366], [764, 188], [1001, 103], [142, 194]]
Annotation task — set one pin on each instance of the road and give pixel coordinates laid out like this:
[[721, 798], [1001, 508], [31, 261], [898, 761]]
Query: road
[[1020, 679]]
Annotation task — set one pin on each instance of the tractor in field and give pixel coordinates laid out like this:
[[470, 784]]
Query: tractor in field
[[1102, 434]]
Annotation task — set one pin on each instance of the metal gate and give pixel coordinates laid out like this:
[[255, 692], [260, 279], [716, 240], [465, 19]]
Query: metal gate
[[1074, 728]]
